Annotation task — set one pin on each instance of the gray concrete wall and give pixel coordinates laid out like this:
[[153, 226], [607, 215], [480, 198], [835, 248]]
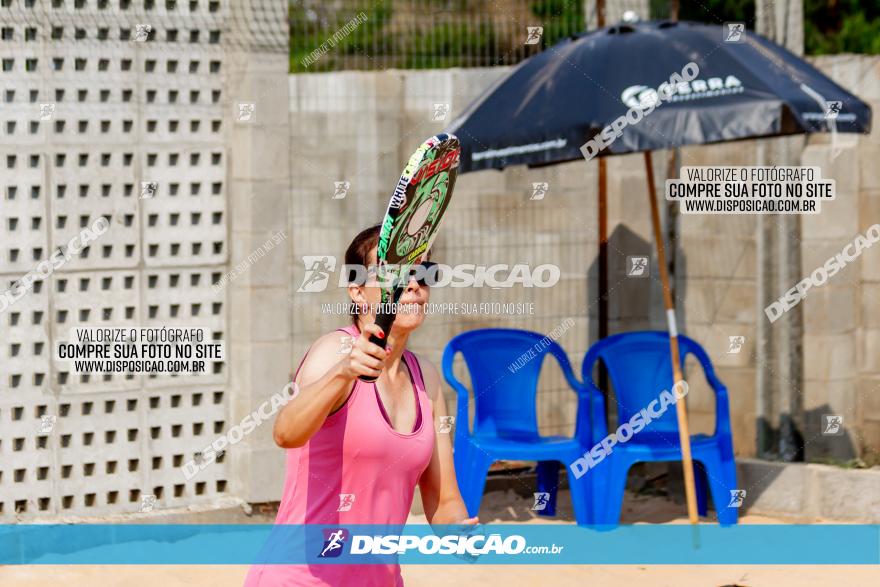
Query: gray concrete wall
[[841, 325], [163, 110]]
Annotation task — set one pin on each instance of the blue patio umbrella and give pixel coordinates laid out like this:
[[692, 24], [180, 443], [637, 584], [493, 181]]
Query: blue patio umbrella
[[636, 87], [550, 105]]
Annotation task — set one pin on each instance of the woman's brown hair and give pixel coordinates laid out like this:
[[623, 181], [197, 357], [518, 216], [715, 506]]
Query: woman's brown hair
[[358, 251]]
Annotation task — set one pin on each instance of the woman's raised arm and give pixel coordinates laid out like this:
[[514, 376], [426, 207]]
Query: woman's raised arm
[[325, 381]]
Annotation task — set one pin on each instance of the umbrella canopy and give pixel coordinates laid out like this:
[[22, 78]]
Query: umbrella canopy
[[553, 103]]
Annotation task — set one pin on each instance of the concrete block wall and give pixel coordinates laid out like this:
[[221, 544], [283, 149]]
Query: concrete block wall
[[716, 299], [126, 112], [841, 330]]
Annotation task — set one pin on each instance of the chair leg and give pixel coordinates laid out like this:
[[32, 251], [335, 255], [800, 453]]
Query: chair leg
[[547, 473], [472, 478], [582, 493], [614, 469], [721, 481], [702, 488]]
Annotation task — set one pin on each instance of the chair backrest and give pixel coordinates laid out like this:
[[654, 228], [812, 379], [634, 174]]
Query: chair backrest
[[504, 365], [639, 368]]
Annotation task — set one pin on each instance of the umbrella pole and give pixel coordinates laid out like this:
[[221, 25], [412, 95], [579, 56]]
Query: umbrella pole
[[680, 409]]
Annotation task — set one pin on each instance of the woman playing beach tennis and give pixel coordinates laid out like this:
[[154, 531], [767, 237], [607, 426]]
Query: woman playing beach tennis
[[357, 450]]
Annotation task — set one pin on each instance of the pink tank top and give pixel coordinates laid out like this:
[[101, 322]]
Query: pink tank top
[[356, 462]]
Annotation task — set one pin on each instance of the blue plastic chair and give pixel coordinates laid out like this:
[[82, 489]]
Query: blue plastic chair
[[505, 420], [639, 368]]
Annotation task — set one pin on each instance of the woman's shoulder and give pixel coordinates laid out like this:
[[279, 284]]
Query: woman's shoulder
[[326, 351], [333, 342], [430, 374]]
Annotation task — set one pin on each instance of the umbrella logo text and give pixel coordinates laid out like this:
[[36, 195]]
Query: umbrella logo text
[[645, 105]]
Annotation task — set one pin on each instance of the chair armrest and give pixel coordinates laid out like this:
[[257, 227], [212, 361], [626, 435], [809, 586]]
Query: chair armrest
[[591, 412], [722, 409], [595, 397], [590, 401], [597, 413], [712, 378], [722, 404], [706, 364], [567, 371]]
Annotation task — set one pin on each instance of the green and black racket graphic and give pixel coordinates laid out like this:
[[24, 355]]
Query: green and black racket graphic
[[411, 221]]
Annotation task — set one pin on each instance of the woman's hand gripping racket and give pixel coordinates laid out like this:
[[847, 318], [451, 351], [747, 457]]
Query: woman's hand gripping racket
[[411, 221]]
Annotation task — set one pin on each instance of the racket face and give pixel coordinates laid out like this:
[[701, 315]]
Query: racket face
[[417, 205]]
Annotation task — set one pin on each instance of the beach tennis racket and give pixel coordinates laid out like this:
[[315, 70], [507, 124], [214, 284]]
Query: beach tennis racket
[[411, 221]]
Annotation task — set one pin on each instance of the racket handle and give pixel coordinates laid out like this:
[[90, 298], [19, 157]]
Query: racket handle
[[383, 321]]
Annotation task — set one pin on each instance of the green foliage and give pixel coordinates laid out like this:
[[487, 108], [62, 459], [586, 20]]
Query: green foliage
[[560, 19], [457, 33], [309, 32], [830, 26], [445, 44], [842, 26], [849, 464]]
